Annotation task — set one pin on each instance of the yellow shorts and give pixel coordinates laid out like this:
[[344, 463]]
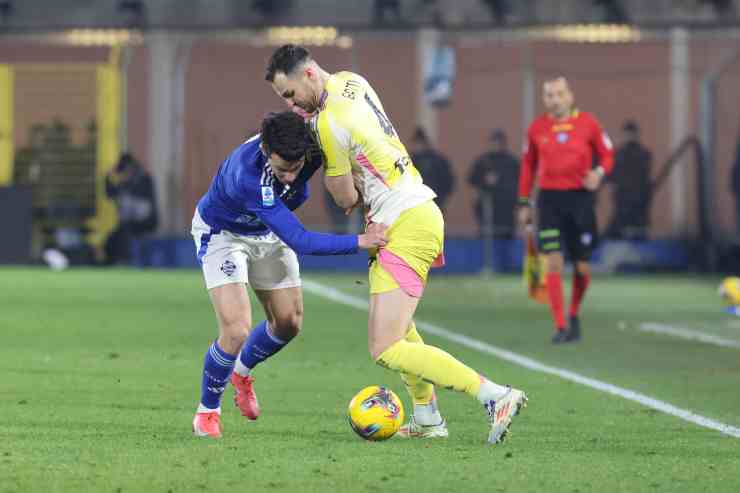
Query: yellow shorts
[[415, 242]]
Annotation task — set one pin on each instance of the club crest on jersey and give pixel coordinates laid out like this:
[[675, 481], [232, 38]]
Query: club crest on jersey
[[228, 268], [586, 239], [562, 137], [268, 196]]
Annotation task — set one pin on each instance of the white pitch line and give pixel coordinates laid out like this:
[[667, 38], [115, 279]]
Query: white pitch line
[[532, 364], [691, 335]]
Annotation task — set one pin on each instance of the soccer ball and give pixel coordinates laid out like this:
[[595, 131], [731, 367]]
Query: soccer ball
[[729, 290], [375, 413]]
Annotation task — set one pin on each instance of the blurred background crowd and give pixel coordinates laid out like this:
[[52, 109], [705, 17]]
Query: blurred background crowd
[[114, 115]]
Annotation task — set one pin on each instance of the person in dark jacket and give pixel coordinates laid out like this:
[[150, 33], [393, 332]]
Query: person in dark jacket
[[632, 190], [434, 167], [132, 189], [495, 174], [735, 183]]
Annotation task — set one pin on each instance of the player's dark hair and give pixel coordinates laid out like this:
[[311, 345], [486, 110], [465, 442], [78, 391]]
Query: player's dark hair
[[285, 134], [285, 59]]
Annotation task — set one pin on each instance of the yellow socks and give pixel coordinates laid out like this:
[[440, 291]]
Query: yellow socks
[[430, 364], [421, 392]]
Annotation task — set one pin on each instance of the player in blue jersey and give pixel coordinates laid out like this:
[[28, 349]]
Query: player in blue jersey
[[245, 233]]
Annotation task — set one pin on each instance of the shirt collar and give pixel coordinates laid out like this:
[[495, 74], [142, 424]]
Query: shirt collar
[[573, 114], [322, 99]]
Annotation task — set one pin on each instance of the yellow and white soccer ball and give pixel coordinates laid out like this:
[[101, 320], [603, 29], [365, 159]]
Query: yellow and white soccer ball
[[375, 413], [729, 290]]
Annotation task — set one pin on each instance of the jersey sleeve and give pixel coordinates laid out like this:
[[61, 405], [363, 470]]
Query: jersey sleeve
[[335, 139], [603, 147], [529, 166], [288, 228]]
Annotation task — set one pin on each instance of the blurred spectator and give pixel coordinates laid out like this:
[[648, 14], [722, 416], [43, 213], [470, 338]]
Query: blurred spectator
[[722, 8], [426, 11], [735, 182], [384, 9], [434, 167], [613, 11], [270, 9], [132, 189], [496, 176], [59, 177], [632, 190], [499, 10], [27, 168]]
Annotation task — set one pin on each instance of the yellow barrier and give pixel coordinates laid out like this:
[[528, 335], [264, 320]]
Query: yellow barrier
[[108, 114], [7, 154]]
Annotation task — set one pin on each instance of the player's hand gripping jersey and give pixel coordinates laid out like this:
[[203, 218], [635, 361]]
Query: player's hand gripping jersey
[[357, 136]]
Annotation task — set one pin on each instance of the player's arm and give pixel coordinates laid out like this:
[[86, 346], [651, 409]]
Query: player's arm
[[335, 142], [342, 189], [605, 155], [526, 178], [289, 229], [604, 148]]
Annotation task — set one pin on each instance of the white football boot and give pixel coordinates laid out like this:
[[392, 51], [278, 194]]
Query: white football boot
[[412, 429], [502, 411]]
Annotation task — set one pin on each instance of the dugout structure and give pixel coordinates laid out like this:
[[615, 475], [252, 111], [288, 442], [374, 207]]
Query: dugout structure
[[60, 127]]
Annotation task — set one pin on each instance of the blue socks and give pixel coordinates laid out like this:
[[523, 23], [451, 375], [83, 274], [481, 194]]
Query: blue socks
[[260, 345], [218, 364], [217, 369]]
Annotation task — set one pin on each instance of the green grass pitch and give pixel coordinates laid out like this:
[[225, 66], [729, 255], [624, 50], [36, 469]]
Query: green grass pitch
[[100, 374]]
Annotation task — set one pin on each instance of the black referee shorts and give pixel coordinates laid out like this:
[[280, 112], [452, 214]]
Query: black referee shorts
[[567, 223]]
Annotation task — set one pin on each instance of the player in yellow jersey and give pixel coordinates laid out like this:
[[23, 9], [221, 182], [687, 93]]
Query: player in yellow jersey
[[366, 164]]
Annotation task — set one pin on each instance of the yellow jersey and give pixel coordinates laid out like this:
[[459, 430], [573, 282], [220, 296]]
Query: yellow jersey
[[357, 137]]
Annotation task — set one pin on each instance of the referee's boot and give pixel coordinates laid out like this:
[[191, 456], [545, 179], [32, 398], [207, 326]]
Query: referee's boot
[[574, 330], [560, 336]]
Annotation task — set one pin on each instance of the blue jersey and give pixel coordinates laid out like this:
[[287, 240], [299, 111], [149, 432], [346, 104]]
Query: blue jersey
[[246, 199]]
